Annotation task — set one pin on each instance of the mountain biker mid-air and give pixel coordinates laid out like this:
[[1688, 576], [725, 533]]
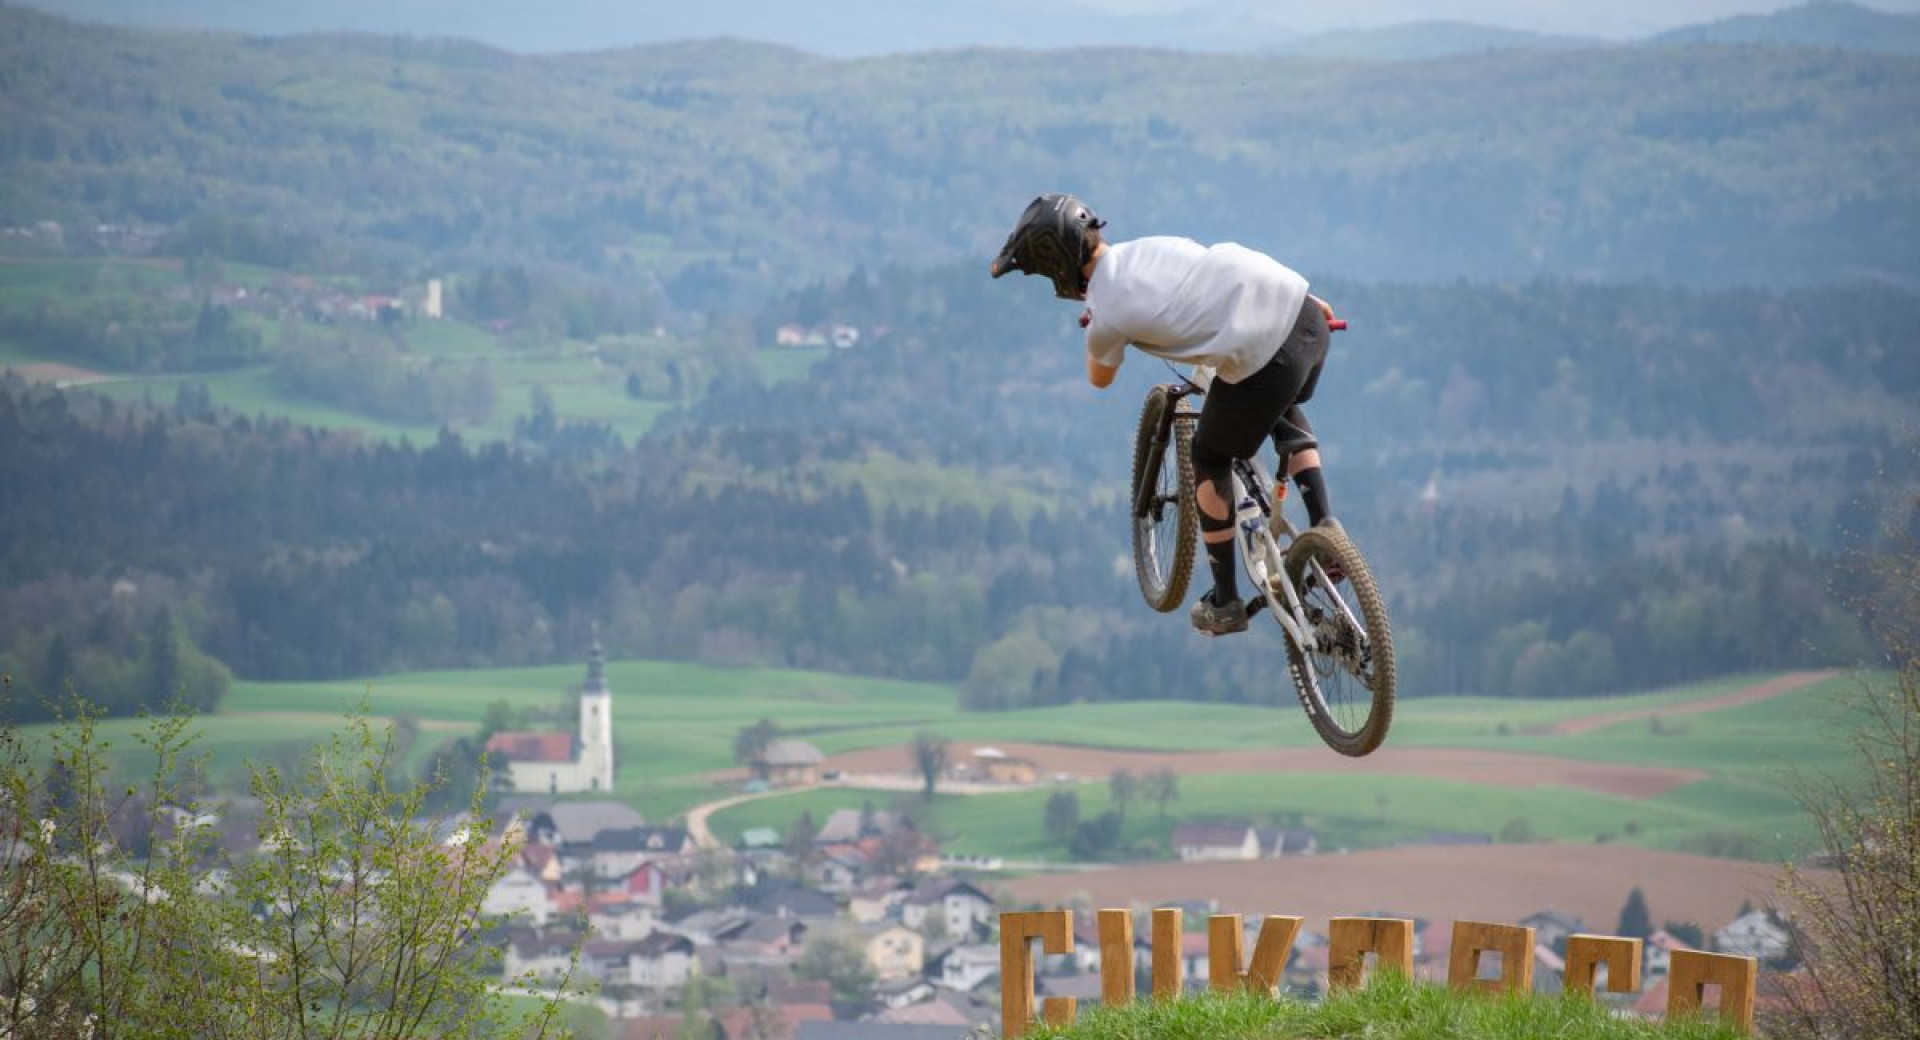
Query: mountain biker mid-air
[[1225, 306]]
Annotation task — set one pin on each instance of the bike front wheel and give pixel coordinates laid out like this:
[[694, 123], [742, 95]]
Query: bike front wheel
[[1165, 526], [1345, 678]]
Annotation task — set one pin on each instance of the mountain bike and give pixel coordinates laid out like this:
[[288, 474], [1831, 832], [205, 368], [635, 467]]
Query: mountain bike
[[1314, 583]]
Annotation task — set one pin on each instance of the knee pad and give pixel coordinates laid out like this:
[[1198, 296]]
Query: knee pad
[[1213, 467]]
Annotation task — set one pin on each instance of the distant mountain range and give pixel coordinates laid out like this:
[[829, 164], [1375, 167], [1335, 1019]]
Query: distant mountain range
[[1822, 23], [849, 28], [1419, 40]]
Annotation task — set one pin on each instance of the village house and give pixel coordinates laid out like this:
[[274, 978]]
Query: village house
[[646, 885], [542, 861], [966, 966], [608, 961], [1289, 841], [962, 910], [851, 825], [837, 869], [877, 898], [764, 942], [792, 763], [1202, 842], [894, 951], [520, 893], [544, 953], [1757, 934], [660, 961], [622, 921], [618, 853], [709, 927], [756, 839], [995, 766], [784, 900], [571, 826]]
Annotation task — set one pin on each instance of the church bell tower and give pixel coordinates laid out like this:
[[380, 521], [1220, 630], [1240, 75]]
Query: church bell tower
[[596, 724]]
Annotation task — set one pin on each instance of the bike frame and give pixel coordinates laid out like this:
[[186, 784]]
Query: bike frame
[[1264, 555], [1264, 534]]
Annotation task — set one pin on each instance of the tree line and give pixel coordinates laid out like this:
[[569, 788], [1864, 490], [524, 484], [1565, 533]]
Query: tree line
[[943, 502]]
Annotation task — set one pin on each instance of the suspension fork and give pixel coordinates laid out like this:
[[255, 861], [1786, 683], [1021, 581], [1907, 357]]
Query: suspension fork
[[1146, 492]]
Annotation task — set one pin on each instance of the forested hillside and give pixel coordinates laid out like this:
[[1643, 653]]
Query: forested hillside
[[1566, 489], [718, 171]]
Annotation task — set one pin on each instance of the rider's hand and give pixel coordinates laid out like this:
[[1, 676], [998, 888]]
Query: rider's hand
[[1324, 306]]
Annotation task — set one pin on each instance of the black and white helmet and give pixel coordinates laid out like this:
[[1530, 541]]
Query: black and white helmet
[[1051, 239]]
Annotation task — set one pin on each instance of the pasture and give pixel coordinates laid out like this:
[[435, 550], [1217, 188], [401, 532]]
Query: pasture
[[674, 727]]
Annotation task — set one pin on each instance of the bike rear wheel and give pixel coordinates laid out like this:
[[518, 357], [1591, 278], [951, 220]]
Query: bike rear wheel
[[1165, 526], [1346, 680]]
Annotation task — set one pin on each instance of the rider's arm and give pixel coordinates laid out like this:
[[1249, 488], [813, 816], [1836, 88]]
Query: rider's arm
[[1101, 376], [1106, 348]]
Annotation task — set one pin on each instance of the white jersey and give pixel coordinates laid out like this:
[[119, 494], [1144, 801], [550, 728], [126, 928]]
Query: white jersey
[[1226, 306]]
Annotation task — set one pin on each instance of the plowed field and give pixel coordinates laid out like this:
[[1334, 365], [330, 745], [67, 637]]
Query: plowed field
[[1497, 768], [1498, 883]]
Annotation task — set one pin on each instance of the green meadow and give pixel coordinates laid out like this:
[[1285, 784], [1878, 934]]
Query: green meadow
[[674, 727], [581, 388]]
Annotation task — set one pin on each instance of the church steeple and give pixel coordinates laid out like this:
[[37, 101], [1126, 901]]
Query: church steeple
[[596, 668], [596, 721]]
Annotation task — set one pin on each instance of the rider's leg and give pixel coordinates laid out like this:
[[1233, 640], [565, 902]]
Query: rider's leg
[[1309, 339], [1233, 420], [1304, 468], [1216, 521]]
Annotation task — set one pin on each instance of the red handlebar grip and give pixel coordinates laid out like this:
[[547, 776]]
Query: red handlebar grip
[[1336, 324]]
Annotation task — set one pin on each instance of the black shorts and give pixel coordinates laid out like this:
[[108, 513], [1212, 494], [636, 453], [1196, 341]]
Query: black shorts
[[1237, 416]]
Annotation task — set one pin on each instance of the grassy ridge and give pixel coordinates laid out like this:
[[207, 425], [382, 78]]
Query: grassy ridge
[[1387, 1008]]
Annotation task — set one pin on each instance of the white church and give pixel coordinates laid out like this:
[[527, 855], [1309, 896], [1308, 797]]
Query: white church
[[561, 763]]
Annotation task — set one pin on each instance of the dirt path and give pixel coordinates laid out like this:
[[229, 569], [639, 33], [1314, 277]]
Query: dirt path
[[1497, 768], [1502, 883], [1785, 684], [697, 816]]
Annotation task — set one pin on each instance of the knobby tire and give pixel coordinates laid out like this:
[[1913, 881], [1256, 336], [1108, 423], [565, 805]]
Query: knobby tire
[[1163, 591], [1362, 596]]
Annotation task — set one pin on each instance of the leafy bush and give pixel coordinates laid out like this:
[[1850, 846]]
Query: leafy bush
[[333, 909]]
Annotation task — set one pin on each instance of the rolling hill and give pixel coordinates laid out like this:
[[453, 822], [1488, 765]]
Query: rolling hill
[[1817, 23], [721, 171]]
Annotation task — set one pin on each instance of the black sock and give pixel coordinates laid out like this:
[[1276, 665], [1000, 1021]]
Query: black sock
[[1220, 558], [1313, 492]]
